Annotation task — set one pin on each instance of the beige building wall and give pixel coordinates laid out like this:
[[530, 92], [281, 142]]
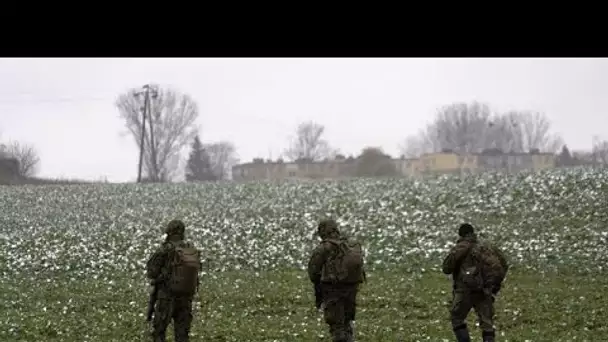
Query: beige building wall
[[427, 165]]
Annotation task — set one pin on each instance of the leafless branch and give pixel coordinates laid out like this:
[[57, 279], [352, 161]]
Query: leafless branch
[[472, 128], [222, 156], [309, 143], [26, 155], [174, 123]]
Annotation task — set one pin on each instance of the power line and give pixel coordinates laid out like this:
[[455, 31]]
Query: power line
[[26, 101]]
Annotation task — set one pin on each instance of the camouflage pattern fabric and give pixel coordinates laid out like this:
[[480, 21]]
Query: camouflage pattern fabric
[[339, 299], [458, 258], [340, 310], [168, 306], [463, 299], [324, 251], [463, 302], [178, 309]]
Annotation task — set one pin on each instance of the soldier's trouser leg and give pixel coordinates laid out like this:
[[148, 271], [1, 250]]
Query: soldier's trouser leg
[[182, 319], [335, 319], [488, 336], [340, 310], [484, 307], [461, 306], [350, 309], [162, 317], [350, 332], [335, 315]]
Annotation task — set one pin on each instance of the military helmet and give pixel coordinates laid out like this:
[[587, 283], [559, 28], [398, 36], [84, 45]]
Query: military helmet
[[465, 229], [175, 227], [327, 227]]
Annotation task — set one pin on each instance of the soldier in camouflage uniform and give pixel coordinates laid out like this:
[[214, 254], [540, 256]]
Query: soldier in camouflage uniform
[[169, 306], [463, 299], [339, 299]]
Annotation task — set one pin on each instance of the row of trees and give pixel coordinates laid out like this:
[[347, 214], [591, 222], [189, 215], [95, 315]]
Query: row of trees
[[459, 127], [474, 127], [462, 128]]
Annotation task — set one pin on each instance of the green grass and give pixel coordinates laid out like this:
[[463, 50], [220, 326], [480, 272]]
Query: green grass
[[72, 257], [278, 306]]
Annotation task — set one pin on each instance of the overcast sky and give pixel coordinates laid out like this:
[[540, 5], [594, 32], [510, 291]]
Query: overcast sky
[[65, 107]]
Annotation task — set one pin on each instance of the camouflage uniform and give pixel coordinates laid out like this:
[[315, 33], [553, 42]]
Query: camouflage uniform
[[169, 307], [339, 299], [463, 299]]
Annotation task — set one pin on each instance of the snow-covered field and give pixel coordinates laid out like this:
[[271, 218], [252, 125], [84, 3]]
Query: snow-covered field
[[542, 221], [101, 235]]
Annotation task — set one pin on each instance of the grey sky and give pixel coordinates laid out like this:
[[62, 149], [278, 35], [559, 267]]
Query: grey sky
[[65, 107]]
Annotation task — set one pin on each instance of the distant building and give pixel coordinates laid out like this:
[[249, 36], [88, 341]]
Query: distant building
[[430, 164], [277, 170], [9, 170], [496, 160]]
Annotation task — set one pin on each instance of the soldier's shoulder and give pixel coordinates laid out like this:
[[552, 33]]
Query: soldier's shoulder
[[323, 246], [463, 243], [490, 246], [190, 244], [165, 247], [487, 244]]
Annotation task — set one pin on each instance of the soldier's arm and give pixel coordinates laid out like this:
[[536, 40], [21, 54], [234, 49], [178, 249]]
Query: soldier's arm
[[316, 262], [155, 264], [503, 259], [453, 259]]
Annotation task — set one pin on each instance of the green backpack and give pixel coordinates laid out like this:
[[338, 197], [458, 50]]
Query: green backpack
[[481, 267], [185, 268], [346, 264]]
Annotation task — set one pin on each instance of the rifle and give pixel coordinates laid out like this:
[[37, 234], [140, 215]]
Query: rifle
[[152, 302], [318, 296]]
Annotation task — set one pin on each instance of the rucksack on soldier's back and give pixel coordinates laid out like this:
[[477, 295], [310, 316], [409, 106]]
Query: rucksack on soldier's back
[[185, 268], [347, 264], [485, 267]]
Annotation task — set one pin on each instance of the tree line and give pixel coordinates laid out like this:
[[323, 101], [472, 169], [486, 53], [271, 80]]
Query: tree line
[[459, 127]]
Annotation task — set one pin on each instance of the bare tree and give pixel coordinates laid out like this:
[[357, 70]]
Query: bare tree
[[599, 151], [504, 133], [460, 127], [309, 143], [26, 155], [416, 145], [173, 120], [535, 132], [471, 128], [222, 156]]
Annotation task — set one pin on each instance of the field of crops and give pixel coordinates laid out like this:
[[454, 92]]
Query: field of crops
[[72, 256]]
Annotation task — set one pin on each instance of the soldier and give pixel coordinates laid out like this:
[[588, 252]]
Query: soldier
[[336, 270], [173, 269], [477, 271]]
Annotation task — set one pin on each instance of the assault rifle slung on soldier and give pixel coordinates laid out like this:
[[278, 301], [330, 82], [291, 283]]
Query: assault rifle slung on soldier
[[152, 302]]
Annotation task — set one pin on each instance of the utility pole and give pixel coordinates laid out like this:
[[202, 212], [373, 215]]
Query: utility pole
[[147, 104], [144, 111]]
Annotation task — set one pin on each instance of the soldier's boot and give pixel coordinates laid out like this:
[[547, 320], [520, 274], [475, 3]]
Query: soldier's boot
[[351, 332], [182, 334], [488, 336], [159, 338], [462, 334], [341, 336]]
